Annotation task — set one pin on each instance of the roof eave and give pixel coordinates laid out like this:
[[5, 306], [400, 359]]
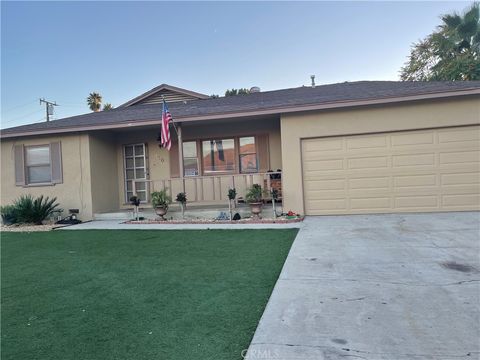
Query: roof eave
[[237, 114]]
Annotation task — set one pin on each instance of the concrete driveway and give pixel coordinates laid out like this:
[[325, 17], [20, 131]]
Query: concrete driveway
[[377, 287]]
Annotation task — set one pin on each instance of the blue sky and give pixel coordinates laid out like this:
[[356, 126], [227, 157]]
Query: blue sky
[[64, 50]]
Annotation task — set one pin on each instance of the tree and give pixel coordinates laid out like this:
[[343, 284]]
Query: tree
[[452, 52], [94, 101], [107, 106], [233, 92]]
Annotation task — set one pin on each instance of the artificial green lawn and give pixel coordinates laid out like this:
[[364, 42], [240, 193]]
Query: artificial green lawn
[[101, 294]]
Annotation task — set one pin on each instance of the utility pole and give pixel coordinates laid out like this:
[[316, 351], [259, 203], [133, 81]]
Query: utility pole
[[48, 107]]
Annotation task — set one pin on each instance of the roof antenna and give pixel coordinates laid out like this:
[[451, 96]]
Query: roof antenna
[[313, 80]]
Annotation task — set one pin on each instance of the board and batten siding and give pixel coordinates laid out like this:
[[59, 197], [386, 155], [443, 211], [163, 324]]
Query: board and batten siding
[[170, 97]]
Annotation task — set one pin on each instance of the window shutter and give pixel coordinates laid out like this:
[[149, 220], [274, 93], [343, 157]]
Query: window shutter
[[174, 165], [263, 153], [19, 165], [56, 162]]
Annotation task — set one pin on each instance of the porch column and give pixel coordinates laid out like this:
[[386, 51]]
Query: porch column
[[180, 155]]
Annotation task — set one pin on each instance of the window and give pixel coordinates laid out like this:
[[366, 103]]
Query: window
[[135, 169], [218, 156], [37, 164], [190, 160], [248, 154]]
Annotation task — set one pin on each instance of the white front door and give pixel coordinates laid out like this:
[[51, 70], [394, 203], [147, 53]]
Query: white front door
[[135, 165]]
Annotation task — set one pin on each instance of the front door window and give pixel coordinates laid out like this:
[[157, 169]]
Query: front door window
[[135, 169]]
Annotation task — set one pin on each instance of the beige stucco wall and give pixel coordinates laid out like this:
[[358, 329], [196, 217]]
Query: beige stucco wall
[[295, 127], [74, 192], [104, 172]]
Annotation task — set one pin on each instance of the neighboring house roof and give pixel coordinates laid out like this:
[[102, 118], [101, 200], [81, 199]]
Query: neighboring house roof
[[169, 92], [322, 97]]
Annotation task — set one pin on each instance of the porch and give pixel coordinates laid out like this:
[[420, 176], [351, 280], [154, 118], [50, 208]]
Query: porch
[[205, 161]]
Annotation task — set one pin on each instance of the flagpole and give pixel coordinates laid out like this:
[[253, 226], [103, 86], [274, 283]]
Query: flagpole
[[178, 131]]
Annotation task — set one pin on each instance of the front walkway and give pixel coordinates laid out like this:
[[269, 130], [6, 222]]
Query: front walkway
[[377, 287], [119, 224]]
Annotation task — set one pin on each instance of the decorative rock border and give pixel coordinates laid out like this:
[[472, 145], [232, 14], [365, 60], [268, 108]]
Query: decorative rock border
[[207, 221]]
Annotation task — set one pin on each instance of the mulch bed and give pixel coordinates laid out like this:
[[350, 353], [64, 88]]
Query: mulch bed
[[207, 221]]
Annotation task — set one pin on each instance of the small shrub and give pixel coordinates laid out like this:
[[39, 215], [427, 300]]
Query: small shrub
[[8, 214], [27, 210]]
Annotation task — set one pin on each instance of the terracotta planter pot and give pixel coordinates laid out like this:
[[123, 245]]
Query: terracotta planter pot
[[161, 211], [256, 209]]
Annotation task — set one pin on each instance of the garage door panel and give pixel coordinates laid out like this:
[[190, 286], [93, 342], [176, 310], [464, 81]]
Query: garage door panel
[[408, 181], [370, 203], [326, 205], [410, 171], [323, 165], [470, 201], [416, 202], [459, 135], [369, 183], [370, 142], [460, 179], [459, 157], [367, 163], [403, 140], [414, 160]]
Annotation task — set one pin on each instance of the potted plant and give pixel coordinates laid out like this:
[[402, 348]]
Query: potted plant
[[135, 201], [232, 194], [160, 202], [254, 197], [182, 199]]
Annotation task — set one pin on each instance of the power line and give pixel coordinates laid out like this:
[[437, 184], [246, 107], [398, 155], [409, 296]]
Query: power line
[[18, 106], [21, 117]]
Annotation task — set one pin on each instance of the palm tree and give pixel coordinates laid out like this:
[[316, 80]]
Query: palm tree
[[462, 33], [107, 106], [450, 53], [94, 101]]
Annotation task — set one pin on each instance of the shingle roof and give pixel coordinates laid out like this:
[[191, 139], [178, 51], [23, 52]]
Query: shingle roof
[[276, 101]]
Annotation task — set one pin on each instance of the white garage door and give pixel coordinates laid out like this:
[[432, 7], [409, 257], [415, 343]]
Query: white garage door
[[411, 171]]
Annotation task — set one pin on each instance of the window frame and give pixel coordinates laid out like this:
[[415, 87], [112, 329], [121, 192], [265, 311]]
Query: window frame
[[236, 141], [240, 154], [235, 150], [28, 182], [145, 167], [196, 158]]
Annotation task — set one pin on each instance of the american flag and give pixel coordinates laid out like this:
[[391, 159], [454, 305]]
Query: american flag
[[166, 141]]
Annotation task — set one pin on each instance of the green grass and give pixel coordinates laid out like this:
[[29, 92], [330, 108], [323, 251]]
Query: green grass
[[136, 294]]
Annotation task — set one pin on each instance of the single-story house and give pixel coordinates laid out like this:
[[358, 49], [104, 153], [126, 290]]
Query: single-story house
[[346, 148]]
